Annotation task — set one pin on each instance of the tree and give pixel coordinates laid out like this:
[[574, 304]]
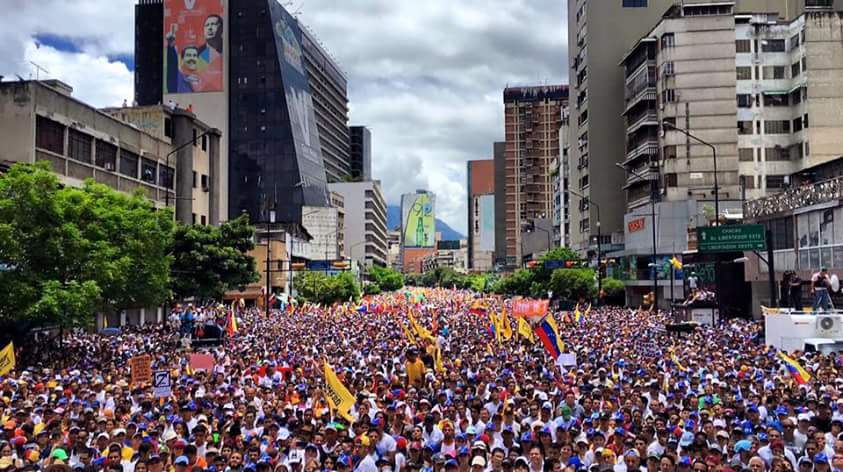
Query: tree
[[613, 290], [210, 260], [318, 287], [67, 252], [372, 288], [387, 279], [517, 283], [573, 284]]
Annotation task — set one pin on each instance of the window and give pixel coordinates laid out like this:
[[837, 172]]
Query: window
[[79, 146], [166, 176], [669, 152], [194, 137], [794, 70], [205, 142], [128, 164], [744, 72], [819, 3], [773, 72], [49, 135], [668, 96], [149, 171], [804, 64], [203, 220], [670, 180], [794, 41], [805, 120], [772, 45], [781, 230], [168, 127], [106, 156], [744, 100], [777, 153], [584, 182], [796, 97], [795, 152], [194, 218], [775, 181], [194, 179], [744, 127], [776, 126], [743, 45], [776, 100], [797, 124], [635, 3], [668, 40], [204, 182], [746, 154]]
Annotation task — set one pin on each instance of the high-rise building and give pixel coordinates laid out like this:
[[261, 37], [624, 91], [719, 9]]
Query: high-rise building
[[364, 229], [329, 87], [533, 116], [499, 156], [561, 231], [249, 69], [361, 153], [418, 229], [481, 215]]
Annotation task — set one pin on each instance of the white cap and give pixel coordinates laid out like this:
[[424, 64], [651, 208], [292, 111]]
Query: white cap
[[478, 460]]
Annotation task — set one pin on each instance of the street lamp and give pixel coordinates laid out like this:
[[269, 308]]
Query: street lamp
[[599, 241], [268, 259], [667, 124], [653, 205]]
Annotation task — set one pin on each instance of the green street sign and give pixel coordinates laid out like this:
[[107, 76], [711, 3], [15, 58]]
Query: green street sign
[[732, 238]]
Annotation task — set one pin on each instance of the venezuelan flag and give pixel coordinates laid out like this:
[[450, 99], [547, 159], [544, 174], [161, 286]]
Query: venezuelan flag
[[577, 313], [585, 314], [799, 374], [478, 308], [547, 331]]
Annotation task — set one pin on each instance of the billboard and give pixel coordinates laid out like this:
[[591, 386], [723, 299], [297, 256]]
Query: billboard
[[418, 223], [193, 46], [487, 222], [299, 106]]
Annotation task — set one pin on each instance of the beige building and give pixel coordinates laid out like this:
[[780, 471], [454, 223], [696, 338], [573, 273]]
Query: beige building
[[41, 121], [364, 230]]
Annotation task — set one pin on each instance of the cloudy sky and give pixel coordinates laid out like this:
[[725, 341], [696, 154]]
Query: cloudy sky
[[426, 76]]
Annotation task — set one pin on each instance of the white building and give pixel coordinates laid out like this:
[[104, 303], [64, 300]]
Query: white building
[[365, 221]]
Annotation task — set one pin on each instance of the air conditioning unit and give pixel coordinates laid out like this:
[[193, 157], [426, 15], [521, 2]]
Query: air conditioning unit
[[829, 326]]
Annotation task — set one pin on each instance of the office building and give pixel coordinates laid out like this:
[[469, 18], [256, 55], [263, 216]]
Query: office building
[[329, 87], [448, 254], [41, 121], [499, 156], [196, 147], [394, 249], [559, 182], [481, 215], [532, 116], [361, 153], [418, 229], [365, 233], [271, 89], [338, 202]]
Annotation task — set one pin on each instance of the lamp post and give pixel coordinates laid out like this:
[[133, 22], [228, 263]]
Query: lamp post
[[599, 241], [667, 124], [653, 221], [268, 259]]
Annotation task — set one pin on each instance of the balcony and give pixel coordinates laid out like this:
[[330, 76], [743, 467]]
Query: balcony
[[795, 197], [647, 148], [645, 173], [648, 118]]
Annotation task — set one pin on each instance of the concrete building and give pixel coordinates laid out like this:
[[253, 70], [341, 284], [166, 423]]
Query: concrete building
[[481, 215], [532, 116], [201, 160], [41, 121], [361, 153], [337, 201], [329, 87], [448, 254], [277, 96], [561, 197], [322, 223], [499, 156], [394, 250], [365, 222]]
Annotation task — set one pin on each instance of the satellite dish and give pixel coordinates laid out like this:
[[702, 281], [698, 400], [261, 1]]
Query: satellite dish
[[835, 283]]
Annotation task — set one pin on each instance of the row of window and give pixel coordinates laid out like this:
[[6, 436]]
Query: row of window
[[49, 135], [746, 100], [671, 180], [771, 72], [773, 126], [777, 153], [768, 45]]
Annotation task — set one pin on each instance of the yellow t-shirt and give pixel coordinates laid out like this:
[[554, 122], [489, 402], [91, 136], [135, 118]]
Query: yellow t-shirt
[[415, 371]]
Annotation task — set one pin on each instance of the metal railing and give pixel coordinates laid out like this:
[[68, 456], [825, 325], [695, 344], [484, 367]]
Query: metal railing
[[795, 197]]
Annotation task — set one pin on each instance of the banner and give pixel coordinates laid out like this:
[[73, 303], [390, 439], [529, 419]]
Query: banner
[[193, 46], [7, 359], [141, 367], [202, 362], [339, 398], [531, 309]]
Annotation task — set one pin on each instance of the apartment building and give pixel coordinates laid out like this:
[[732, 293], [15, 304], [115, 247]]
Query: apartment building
[[532, 116], [364, 227], [481, 214]]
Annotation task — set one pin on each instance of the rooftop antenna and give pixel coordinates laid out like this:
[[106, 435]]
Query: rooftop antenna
[[38, 70]]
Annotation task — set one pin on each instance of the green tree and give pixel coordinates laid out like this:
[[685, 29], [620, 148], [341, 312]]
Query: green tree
[[318, 287], [613, 290], [387, 279], [372, 288], [67, 252], [542, 275], [210, 260], [518, 283], [573, 284]]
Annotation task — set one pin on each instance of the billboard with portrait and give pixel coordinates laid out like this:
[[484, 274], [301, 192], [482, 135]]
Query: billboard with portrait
[[193, 46], [418, 222]]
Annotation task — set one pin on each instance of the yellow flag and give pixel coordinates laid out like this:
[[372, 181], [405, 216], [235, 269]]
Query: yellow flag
[[7, 359], [410, 338], [524, 330], [419, 329], [438, 361], [339, 398], [507, 327]]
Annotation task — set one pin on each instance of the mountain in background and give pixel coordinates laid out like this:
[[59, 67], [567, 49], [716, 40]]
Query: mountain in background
[[393, 220]]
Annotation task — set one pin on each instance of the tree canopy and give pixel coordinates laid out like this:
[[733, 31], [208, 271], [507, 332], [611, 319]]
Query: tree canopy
[[318, 287], [67, 252]]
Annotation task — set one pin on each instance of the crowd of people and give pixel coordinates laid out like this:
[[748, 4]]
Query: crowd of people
[[463, 398]]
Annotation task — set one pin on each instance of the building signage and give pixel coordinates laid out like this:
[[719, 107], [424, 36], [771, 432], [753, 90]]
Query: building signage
[[636, 225], [731, 238]]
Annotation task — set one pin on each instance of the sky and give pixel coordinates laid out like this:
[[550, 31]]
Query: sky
[[427, 77]]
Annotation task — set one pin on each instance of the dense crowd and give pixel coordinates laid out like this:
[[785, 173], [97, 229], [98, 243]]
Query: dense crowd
[[637, 398]]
